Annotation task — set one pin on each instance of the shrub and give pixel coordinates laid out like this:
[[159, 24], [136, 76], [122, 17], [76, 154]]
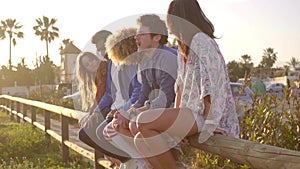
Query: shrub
[[272, 120]]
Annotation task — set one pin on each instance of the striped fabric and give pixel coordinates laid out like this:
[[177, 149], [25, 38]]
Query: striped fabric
[[109, 132]]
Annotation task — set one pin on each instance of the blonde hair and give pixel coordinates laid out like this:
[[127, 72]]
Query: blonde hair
[[86, 81], [120, 45]]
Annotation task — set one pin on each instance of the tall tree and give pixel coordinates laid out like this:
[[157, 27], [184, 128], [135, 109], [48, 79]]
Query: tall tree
[[234, 71], [2, 32], [24, 75], [45, 71], [246, 65], [11, 27], [46, 30], [246, 59], [294, 63], [7, 77], [269, 58]]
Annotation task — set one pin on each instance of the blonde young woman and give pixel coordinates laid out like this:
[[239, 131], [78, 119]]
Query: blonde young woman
[[94, 85], [91, 72], [91, 78]]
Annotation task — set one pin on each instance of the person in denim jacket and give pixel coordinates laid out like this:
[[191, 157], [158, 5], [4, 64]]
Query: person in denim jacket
[[157, 71]]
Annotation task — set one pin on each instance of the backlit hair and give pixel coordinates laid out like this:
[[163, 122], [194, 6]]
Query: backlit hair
[[100, 35], [156, 26], [121, 44], [185, 18], [86, 81]]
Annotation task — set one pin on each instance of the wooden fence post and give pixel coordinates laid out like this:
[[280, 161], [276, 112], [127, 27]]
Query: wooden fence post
[[18, 111], [2, 103], [11, 106], [33, 115], [47, 124], [24, 111], [7, 106], [98, 154], [65, 137]]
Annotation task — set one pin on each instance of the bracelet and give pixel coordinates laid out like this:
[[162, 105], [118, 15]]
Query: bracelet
[[210, 122]]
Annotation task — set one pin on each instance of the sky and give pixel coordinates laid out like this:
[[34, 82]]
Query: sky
[[242, 26]]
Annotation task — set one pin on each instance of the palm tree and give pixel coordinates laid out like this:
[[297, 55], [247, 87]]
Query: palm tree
[[11, 27], [246, 59], [268, 59], [294, 63], [246, 64], [1, 32], [46, 30]]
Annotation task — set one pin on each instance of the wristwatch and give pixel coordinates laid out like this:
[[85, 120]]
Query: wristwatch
[[147, 104]]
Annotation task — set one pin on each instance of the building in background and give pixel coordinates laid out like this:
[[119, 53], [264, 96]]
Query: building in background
[[68, 62]]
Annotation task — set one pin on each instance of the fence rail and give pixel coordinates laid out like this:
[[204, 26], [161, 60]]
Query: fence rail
[[241, 151], [12, 105]]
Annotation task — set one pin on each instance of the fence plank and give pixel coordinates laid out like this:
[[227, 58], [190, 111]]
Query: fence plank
[[80, 150], [248, 152]]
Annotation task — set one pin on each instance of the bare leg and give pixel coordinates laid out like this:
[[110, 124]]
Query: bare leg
[[151, 160], [177, 122]]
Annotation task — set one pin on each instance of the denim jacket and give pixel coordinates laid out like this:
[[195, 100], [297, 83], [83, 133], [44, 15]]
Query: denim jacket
[[158, 75]]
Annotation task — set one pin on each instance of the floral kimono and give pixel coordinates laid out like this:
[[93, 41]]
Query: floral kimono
[[205, 73]]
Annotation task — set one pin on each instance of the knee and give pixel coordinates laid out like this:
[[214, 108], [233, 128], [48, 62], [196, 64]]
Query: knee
[[144, 124]]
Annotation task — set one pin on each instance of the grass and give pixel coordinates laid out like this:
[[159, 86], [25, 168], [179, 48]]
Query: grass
[[24, 147]]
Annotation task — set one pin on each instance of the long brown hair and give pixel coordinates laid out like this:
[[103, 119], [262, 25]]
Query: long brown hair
[[86, 81], [185, 18]]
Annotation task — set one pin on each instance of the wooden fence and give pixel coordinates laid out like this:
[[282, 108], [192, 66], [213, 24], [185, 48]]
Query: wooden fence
[[254, 154], [18, 107]]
